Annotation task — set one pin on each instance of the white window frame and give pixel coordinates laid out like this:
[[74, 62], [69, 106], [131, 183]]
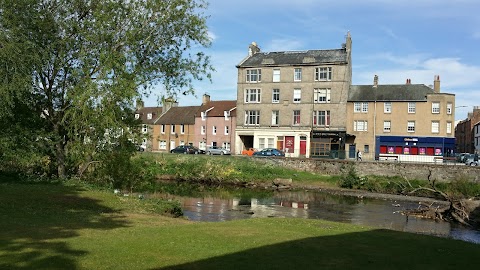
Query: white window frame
[[412, 107], [202, 130], [297, 75], [203, 115], [275, 118], [253, 75], [276, 96], [182, 129], [321, 118], [276, 75], [214, 130], [226, 131], [323, 73], [297, 95], [226, 145], [449, 108], [410, 126], [172, 129], [162, 129], [387, 126], [436, 107], [449, 127], [435, 127], [252, 118], [321, 95], [149, 116], [387, 107], [296, 118], [360, 125], [364, 107], [144, 129], [162, 145], [137, 116], [253, 95]]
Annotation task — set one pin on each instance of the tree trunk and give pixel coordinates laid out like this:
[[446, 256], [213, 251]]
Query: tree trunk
[[60, 151]]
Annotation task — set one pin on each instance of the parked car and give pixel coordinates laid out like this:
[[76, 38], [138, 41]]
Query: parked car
[[141, 147], [249, 151], [460, 157], [215, 150], [187, 149], [470, 160], [269, 152]]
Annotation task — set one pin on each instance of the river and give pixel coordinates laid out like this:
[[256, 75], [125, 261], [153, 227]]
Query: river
[[378, 213]]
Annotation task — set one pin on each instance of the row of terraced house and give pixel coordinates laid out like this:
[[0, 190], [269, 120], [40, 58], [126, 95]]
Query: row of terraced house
[[304, 103]]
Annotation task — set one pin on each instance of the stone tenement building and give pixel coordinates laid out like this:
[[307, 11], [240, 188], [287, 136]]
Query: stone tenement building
[[411, 121], [294, 100], [467, 133]]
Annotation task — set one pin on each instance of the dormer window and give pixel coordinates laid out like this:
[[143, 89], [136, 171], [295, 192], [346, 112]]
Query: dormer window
[[226, 114], [203, 115], [149, 116], [137, 116]]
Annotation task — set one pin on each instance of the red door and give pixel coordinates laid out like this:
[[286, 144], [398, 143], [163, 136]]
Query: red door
[[303, 147]]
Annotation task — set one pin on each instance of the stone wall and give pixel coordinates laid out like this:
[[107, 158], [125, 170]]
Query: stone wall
[[440, 173]]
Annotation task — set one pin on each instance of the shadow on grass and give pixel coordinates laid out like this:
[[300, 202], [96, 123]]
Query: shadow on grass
[[35, 220], [376, 249]]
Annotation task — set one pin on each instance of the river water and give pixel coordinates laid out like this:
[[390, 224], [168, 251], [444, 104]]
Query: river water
[[377, 213]]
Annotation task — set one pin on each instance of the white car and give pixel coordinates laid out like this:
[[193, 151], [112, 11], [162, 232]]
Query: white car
[[215, 150]]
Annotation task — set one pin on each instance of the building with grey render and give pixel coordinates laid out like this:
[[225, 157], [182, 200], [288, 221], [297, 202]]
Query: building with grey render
[[294, 100]]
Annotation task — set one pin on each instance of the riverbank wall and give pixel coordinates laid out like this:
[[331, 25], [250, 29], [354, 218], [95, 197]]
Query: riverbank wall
[[409, 171]]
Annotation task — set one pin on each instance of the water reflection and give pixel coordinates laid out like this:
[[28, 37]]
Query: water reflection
[[319, 205]]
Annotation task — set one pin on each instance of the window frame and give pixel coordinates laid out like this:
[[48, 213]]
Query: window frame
[[275, 118], [449, 108], [297, 74], [321, 95], [323, 74], [363, 125], [436, 107], [387, 107], [437, 127], [252, 115], [321, 118], [253, 92], [276, 95], [253, 75], [296, 118], [412, 107], [297, 95], [410, 128], [387, 126], [276, 77]]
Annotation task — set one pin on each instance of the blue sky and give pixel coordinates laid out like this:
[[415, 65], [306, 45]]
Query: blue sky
[[394, 39]]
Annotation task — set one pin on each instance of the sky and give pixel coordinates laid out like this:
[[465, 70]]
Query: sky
[[395, 40]]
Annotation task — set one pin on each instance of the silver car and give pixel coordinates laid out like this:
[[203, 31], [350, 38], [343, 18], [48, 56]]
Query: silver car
[[470, 160], [215, 150]]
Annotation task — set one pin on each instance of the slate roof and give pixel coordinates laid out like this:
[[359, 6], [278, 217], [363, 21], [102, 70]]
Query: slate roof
[[219, 107], [143, 112], [297, 58], [393, 92], [179, 115]]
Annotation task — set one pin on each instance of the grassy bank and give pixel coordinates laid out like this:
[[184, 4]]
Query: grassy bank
[[45, 226]]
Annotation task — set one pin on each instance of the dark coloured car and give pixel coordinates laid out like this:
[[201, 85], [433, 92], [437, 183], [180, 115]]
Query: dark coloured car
[[187, 149], [269, 152]]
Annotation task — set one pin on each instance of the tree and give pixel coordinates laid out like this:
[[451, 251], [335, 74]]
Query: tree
[[83, 63]]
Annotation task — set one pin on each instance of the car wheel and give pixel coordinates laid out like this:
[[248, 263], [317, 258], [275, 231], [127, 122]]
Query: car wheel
[[473, 164], [196, 152]]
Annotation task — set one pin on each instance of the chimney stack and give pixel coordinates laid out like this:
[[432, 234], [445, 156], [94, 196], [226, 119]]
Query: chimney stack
[[409, 81], [205, 99], [375, 81], [168, 103], [253, 49], [436, 84]]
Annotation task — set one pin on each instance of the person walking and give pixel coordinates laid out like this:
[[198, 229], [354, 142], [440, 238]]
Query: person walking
[[359, 155]]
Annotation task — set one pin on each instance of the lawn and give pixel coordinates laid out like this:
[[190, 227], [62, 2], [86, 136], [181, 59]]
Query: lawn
[[46, 226]]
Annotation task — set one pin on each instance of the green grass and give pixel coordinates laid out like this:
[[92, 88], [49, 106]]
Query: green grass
[[47, 226]]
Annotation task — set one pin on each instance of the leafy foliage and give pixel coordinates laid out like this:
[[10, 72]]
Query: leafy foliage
[[81, 64]]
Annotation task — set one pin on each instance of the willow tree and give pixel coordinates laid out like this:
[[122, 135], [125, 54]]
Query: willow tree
[[81, 64]]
